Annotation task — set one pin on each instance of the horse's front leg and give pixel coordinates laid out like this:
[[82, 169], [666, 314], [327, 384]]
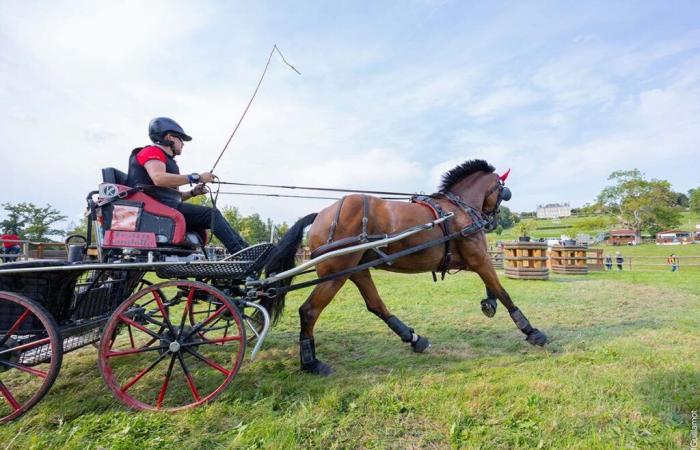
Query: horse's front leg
[[489, 304], [479, 261]]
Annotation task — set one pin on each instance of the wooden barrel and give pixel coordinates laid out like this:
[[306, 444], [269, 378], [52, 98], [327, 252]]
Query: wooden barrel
[[569, 259], [526, 260], [496, 258], [594, 259]]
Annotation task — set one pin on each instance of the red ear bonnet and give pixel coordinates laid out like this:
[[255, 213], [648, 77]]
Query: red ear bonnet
[[505, 176]]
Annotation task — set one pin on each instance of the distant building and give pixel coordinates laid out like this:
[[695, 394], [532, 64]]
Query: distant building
[[697, 232], [622, 237], [674, 237], [553, 210]]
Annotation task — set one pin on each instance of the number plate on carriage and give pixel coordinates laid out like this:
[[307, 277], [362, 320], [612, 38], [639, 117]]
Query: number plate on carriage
[[132, 239]]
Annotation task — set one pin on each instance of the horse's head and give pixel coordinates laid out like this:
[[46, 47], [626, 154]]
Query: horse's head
[[497, 192], [477, 184]]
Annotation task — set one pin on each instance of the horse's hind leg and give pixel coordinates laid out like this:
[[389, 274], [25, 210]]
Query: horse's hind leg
[[364, 283], [320, 297]]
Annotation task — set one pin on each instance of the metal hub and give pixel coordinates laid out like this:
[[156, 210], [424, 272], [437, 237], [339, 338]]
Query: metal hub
[[174, 347]]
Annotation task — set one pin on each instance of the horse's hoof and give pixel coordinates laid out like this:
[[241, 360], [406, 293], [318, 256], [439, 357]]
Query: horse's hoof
[[488, 307], [317, 367], [421, 345], [536, 337]]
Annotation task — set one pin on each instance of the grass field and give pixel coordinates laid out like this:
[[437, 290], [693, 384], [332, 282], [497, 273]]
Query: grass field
[[622, 370]]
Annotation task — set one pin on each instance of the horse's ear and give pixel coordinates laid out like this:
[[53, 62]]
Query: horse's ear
[[505, 176]]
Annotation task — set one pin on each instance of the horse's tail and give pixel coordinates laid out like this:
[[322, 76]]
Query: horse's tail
[[281, 259]]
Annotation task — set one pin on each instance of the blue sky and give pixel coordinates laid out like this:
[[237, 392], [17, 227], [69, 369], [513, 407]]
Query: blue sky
[[391, 95]]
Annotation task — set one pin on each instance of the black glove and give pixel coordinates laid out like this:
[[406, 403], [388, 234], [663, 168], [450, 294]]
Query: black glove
[[200, 189]]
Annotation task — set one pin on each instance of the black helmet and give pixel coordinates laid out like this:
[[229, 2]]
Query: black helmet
[[160, 126]]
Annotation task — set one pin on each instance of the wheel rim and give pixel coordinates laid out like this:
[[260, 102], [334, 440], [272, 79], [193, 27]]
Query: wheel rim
[[168, 361], [30, 354]]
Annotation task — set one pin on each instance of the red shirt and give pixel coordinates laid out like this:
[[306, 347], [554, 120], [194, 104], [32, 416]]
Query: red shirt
[[150, 153], [10, 237]]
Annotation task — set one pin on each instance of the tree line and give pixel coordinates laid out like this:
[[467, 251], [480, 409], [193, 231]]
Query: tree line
[[40, 224]]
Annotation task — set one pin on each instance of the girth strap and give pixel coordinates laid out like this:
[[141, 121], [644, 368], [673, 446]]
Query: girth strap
[[438, 212]]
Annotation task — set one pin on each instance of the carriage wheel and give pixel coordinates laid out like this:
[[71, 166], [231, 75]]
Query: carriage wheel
[[31, 351], [169, 362]]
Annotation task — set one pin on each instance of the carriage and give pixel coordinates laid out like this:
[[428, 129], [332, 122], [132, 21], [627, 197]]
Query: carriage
[[167, 345], [172, 326]]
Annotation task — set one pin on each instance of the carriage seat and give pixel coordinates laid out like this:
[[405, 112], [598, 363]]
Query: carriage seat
[[140, 218]]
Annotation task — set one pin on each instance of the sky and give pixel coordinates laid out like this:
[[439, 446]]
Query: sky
[[391, 94]]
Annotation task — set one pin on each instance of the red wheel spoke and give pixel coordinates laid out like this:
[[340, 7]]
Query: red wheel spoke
[[131, 337], [27, 346], [112, 354], [188, 307], [143, 372], [201, 325], [23, 368], [188, 376], [15, 326], [161, 307], [207, 361], [138, 326], [8, 396], [164, 388], [213, 341]]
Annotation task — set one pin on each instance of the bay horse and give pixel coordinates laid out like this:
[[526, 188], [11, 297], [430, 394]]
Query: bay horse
[[472, 191]]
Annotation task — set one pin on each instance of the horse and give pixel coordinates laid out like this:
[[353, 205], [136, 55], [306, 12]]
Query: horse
[[471, 192]]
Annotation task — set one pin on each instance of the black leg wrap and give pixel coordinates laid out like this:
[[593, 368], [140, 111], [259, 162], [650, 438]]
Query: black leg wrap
[[521, 321], [534, 336], [488, 307], [307, 355], [400, 328]]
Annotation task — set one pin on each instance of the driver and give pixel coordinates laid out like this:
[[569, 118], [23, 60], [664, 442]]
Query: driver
[[155, 165]]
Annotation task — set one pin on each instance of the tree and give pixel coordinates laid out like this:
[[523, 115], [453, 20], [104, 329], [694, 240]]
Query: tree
[[15, 221], [505, 218], [591, 224], [640, 204], [254, 230], [36, 222], [694, 200], [681, 199]]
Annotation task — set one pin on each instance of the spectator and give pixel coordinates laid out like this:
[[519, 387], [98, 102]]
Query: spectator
[[673, 261], [10, 244], [619, 260], [608, 261]]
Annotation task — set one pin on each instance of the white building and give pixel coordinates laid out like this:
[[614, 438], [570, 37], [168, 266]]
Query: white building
[[553, 210]]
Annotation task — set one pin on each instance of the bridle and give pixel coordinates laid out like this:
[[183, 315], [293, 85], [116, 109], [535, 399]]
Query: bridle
[[489, 219]]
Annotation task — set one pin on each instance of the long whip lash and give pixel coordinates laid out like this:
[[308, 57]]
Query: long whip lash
[[245, 111]]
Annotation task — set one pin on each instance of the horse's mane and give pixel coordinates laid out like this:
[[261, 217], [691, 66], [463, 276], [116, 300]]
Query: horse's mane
[[457, 174]]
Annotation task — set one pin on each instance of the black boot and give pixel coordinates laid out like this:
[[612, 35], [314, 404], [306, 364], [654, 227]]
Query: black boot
[[309, 363]]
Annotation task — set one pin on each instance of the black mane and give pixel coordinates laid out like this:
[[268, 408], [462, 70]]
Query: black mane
[[453, 176]]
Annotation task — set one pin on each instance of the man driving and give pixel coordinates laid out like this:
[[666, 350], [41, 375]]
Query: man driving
[[155, 165]]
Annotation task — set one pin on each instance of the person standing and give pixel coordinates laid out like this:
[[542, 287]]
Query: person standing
[[608, 261], [673, 261], [619, 260], [10, 244]]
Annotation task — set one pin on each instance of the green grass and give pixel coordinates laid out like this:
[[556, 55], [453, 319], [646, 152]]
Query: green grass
[[622, 370]]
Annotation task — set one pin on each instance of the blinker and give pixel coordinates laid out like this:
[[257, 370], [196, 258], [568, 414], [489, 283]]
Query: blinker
[[506, 194]]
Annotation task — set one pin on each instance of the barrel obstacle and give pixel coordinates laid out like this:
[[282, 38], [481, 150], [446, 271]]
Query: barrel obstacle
[[594, 259], [569, 259], [526, 260], [496, 258]]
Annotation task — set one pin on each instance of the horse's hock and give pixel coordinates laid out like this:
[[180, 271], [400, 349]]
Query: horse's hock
[[569, 259], [526, 260]]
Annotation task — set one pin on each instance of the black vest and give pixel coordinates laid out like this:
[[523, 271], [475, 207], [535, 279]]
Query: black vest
[[138, 176]]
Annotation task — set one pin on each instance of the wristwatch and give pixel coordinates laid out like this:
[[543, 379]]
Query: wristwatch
[[193, 178]]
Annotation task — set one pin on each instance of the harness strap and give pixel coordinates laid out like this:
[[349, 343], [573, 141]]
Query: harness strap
[[334, 224], [438, 212]]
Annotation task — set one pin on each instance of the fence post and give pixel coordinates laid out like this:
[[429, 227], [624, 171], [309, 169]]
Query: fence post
[[630, 259]]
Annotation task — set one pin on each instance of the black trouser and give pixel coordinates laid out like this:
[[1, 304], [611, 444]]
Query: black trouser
[[200, 217]]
